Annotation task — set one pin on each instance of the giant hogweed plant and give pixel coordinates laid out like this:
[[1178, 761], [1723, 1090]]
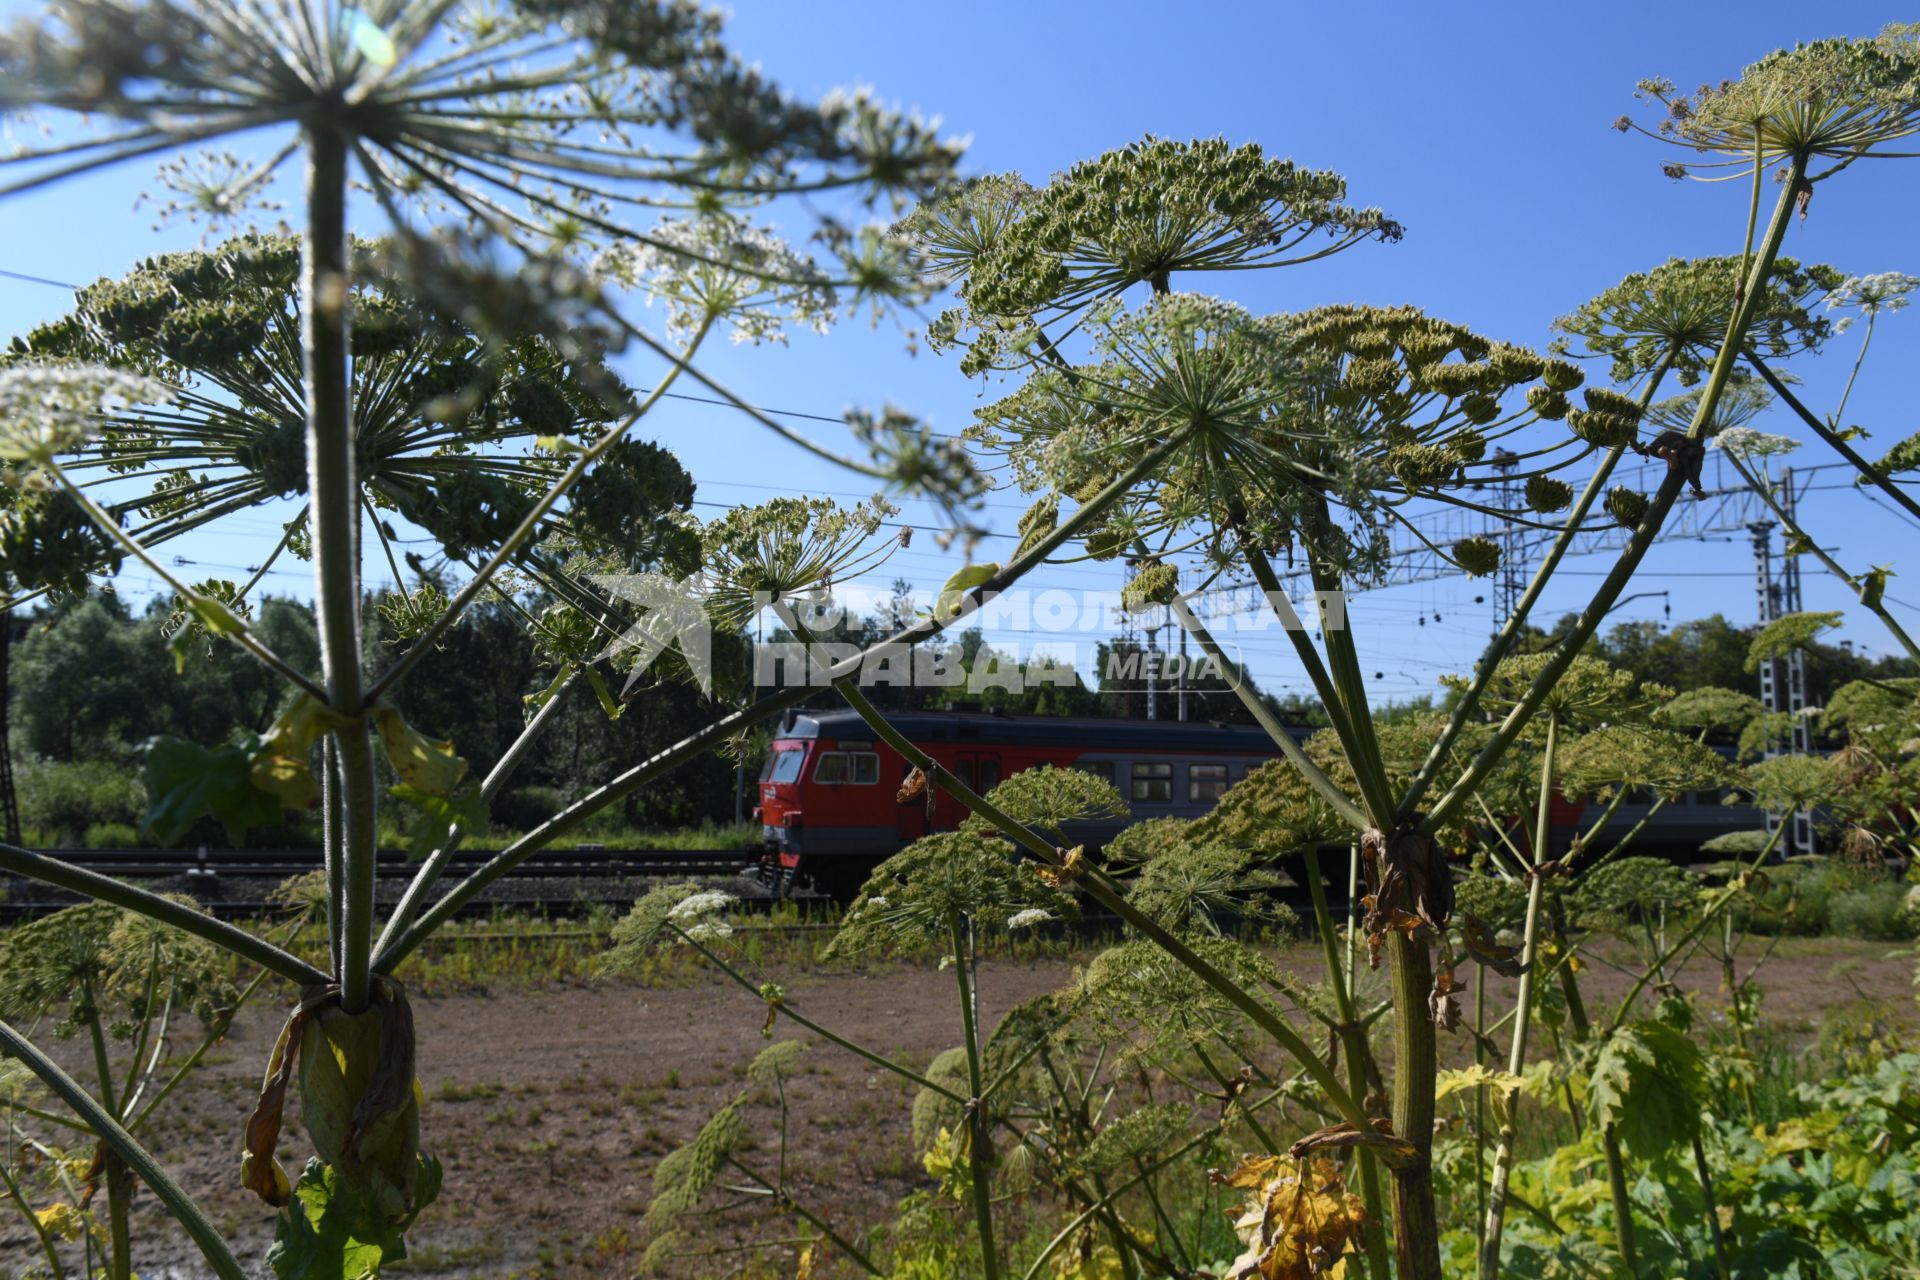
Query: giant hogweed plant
[[1310, 433], [457, 382], [1111, 1095], [1188, 427]]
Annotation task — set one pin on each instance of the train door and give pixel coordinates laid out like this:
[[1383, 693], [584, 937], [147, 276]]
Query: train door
[[979, 770]]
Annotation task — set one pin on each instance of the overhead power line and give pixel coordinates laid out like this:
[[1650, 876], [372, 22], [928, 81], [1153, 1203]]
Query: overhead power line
[[21, 275]]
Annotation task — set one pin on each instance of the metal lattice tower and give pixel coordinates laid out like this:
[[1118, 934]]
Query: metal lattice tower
[[1783, 681], [1510, 579]]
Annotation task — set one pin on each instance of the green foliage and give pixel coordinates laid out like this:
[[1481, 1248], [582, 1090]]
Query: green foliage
[[65, 800], [1708, 709], [1840, 98], [1046, 799], [1668, 764], [1783, 635], [1272, 811], [1205, 886], [1679, 311], [337, 1229], [1131, 216], [1877, 911], [1649, 1082], [785, 548], [1499, 902], [93, 963], [185, 781], [915, 897], [1786, 783], [1588, 692], [1632, 888]]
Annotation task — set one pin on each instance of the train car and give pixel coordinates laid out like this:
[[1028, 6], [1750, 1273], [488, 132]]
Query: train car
[[827, 808], [827, 790]]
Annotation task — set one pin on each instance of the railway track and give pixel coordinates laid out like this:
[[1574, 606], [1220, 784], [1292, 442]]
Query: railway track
[[235, 882], [581, 860]]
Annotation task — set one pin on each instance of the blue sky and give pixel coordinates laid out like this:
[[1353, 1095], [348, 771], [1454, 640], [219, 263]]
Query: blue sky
[[1483, 128]]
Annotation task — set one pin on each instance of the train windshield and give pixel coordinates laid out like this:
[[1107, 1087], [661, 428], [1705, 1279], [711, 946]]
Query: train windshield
[[784, 765]]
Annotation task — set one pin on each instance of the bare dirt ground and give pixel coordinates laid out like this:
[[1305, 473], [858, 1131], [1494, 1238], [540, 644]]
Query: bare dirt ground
[[549, 1107]]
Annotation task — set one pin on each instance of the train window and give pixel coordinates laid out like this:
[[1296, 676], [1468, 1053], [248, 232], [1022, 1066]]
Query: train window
[[857, 767], [963, 770], [1101, 769], [1206, 782], [989, 775], [784, 766], [1153, 783]]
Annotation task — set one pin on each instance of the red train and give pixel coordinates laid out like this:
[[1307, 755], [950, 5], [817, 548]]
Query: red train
[[827, 791], [828, 788]]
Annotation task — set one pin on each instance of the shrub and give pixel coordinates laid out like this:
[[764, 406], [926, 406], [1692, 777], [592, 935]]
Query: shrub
[[64, 800], [112, 835], [524, 808], [1872, 911]]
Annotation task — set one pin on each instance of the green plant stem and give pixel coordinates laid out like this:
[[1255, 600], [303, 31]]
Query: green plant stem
[[325, 325], [1353, 914], [1705, 1175], [119, 1245], [1833, 439], [979, 1150], [1617, 1191], [1270, 585], [40, 1231], [181, 1072], [1523, 1009], [1693, 931], [1343, 659], [839, 673], [1625, 1234], [1479, 1110], [1353, 1041], [1643, 536], [331, 830], [146, 1029], [91, 884], [503, 769], [1512, 628], [1416, 1224], [137, 1159], [119, 1183], [1072, 1228], [819, 1223], [1737, 994]]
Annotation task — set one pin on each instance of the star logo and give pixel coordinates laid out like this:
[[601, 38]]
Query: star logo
[[672, 613]]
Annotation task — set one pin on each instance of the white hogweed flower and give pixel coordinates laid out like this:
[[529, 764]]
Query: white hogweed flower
[[1028, 918], [1872, 294], [1747, 444], [721, 268], [697, 905], [48, 409]]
